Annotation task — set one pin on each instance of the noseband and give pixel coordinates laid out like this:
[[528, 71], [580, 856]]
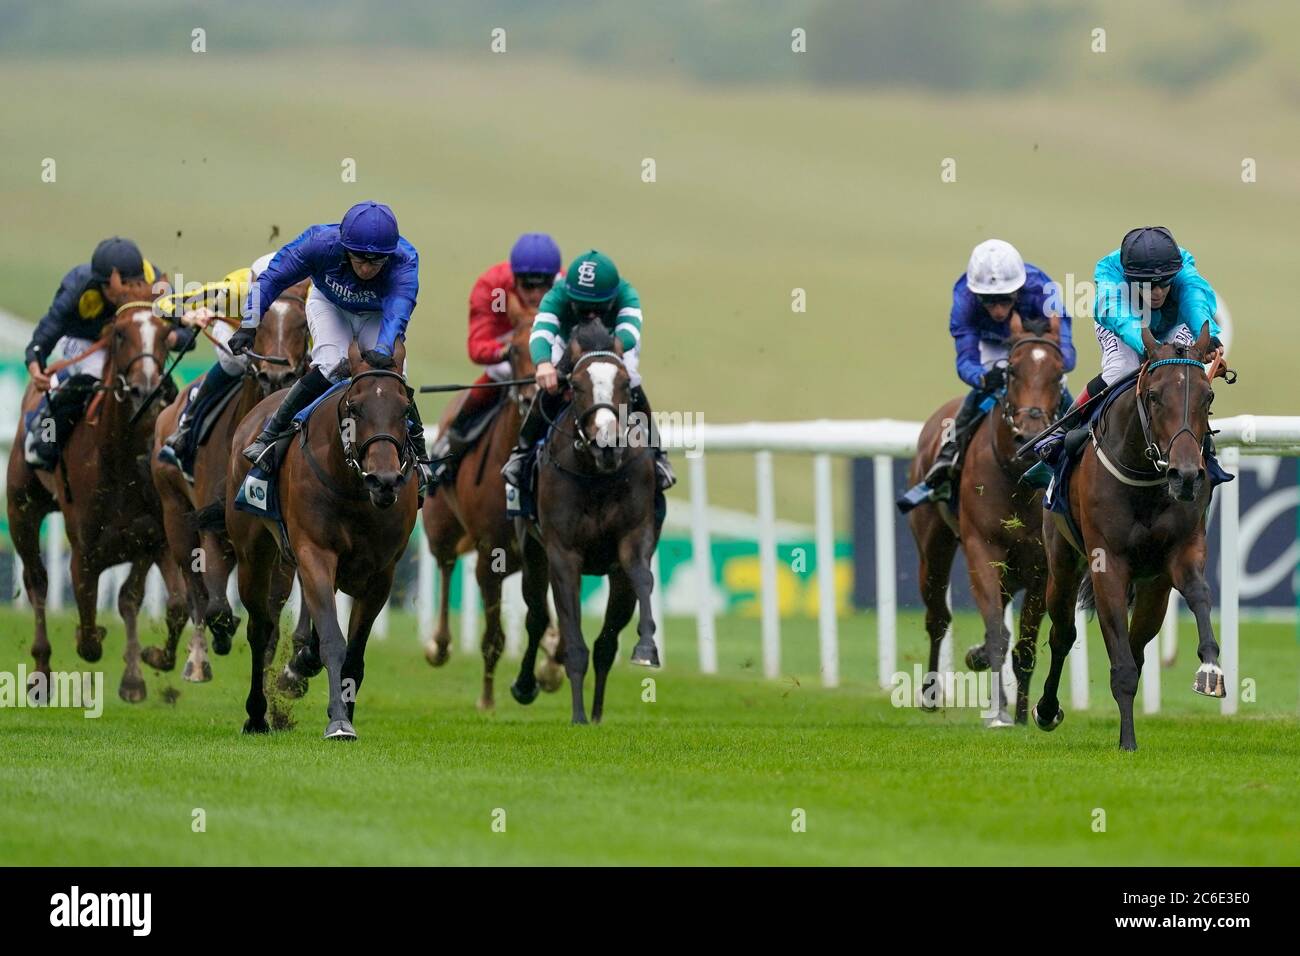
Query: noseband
[[581, 441], [1158, 458], [355, 454], [1009, 411], [121, 387]]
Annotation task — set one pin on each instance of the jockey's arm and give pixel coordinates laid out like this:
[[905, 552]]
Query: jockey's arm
[[961, 325], [484, 345], [399, 303], [1197, 302], [627, 324], [1112, 310]]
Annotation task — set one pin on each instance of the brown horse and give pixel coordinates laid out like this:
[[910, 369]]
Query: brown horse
[[471, 515], [596, 492], [348, 507], [102, 486], [997, 523], [1139, 496], [203, 555]]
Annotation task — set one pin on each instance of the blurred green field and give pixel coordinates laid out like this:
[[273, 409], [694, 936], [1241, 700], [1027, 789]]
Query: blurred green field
[[710, 772], [759, 191]]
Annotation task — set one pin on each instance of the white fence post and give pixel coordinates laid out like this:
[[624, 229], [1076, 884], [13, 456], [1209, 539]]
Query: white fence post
[[469, 601], [424, 587], [1230, 575], [767, 564], [702, 560], [656, 608], [513, 611], [826, 624], [1169, 633], [886, 595], [1079, 662], [55, 566], [1151, 666], [154, 593]]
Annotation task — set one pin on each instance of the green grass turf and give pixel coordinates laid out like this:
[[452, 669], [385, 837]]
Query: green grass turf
[[707, 774]]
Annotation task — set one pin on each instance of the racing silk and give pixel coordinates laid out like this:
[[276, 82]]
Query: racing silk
[[1191, 302], [79, 311], [555, 319], [970, 323], [489, 318], [226, 298], [318, 254]]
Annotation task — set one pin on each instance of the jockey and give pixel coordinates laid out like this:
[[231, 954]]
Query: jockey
[[997, 284], [204, 310], [530, 272], [1149, 281], [364, 283], [88, 297], [592, 289]]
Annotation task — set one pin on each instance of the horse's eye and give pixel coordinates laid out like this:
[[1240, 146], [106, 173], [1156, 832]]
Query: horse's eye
[[1154, 397], [1209, 399]]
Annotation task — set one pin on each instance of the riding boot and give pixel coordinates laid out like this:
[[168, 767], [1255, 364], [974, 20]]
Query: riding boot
[[515, 470], [963, 425], [304, 391], [415, 432], [663, 469], [215, 382], [58, 412]]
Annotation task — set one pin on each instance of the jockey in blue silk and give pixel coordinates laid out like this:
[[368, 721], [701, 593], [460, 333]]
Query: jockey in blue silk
[[365, 279], [997, 283], [1148, 281]]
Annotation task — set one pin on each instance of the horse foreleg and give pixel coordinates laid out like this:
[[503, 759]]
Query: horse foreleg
[[438, 650], [218, 615], [182, 606], [364, 611], [494, 637], [566, 585], [180, 556], [1111, 589], [282, 578], [1025, 654], [254, 587], [618, 611], [129, 598], [1188, 573], [987, 563], [316, 570], [1064, 575], [538, 619], [85, 588], [635, 558]]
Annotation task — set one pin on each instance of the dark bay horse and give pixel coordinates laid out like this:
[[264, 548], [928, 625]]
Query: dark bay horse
[[470, 514], [596, 491], [103, 488], [998, 522], [1139, 495], [204, 554], [349, 507]]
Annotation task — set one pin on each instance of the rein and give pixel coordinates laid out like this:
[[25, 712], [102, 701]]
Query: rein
[[1010, 411], [355, 454]]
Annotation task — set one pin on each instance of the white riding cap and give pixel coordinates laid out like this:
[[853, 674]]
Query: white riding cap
[[995, 268]]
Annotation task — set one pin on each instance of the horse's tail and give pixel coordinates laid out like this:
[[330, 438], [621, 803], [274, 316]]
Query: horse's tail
[[212, 517], [1087, 600]]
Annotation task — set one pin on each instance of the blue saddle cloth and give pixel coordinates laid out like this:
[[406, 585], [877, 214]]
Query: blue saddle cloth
[[1056, 498], [259, 494]]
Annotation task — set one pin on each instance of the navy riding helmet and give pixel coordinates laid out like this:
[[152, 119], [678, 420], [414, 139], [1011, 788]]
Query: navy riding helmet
[[369, 227]]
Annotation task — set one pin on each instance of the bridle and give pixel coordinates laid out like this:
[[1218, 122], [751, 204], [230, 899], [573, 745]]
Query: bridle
[[354, 454], [581, 440], [1010, 411], [121, 388], [1160, 459]]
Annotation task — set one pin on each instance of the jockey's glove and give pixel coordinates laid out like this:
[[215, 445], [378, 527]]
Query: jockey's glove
[[994, 379], [241, 341], [376, 359]]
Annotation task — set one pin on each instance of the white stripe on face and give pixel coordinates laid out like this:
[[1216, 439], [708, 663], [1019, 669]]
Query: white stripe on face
[[602, 389]]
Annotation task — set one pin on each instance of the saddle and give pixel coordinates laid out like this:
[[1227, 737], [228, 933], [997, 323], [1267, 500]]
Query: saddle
[[204, 418]]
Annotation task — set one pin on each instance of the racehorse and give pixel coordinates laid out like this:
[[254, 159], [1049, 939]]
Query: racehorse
[[200, 549], [1139, 496], [997, 521], [348, 509], [470, 514], [102, 486], [596, 514]]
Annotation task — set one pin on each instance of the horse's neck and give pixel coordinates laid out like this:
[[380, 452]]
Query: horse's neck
[[250, 393], [1004, 444], [1122, 429]]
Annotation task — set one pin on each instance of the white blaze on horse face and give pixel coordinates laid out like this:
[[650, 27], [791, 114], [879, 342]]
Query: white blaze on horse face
[[602, 388], [148, 334], [1038, 353]]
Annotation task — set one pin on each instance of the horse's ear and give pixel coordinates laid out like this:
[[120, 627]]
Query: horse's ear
[[1054, 327], [1017, 326], [1203, 340], [354, 357], [399, 353], [618, 346], [1149, 342], [575, 350]]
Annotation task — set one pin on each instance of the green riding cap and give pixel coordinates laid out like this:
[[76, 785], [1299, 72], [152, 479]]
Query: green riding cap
[[592, 277]]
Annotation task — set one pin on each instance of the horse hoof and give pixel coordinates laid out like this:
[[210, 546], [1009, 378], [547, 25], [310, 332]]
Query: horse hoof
[[1209, 681], [1049, 725], [646, 656], [522, 696], [550, 677], [90, 647], [340, 730], [204, 673], [259, 726], [38, 692], [437, 654], [132, 690], [976, 659], [158, 658], [485, 705], [222, 626]]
